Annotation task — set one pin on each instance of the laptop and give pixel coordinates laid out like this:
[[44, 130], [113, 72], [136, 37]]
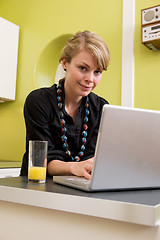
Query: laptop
[[127, 154]]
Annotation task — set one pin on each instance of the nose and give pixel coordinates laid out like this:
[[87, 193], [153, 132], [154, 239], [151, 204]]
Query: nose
[[89, 77]]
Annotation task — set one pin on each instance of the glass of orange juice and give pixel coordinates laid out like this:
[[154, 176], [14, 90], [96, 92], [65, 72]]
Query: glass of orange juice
[[37, 163]]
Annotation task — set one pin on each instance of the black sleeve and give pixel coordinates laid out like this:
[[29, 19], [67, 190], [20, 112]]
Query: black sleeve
[[37, 110], [36, 114]]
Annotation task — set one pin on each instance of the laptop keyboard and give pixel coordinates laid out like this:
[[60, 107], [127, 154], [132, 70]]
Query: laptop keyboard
[[78, 180]]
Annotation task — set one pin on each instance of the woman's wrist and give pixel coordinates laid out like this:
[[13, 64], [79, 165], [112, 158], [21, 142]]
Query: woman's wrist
[[58, 167]]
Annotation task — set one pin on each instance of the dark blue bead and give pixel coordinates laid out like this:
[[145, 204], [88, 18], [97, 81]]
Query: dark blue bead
[[64, 138], [77, 158], [68, 152], [59, 98], [59, 85], [83, 140], [64, 130], [86, 112], [59, 91], [87, 105], [80, 154], [84, 133], [82, 147], [62, 122], [61, 114], [60, 105], [86, 119], [64, 146]]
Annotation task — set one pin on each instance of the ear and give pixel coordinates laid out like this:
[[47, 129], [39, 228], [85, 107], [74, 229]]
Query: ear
[[64, 63]]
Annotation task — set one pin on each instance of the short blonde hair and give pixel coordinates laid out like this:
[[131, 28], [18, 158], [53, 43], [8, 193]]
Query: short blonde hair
[[91, 42]]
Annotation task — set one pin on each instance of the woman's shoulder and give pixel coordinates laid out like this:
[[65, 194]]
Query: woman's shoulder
[[41, 100], [97, 100], [42, 93]]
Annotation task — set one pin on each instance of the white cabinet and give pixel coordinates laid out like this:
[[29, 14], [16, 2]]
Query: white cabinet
[[9, 172], [9, 38]]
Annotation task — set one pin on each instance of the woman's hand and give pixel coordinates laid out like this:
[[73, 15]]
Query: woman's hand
[[82, 169]]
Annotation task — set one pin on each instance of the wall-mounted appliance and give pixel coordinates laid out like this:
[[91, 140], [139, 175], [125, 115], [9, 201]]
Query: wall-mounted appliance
[[9, 38], [150, 26]]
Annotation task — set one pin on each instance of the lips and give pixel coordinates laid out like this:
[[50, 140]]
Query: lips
[[86, 87]]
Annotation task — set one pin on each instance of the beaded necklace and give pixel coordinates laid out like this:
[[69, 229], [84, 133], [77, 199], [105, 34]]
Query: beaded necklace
[[63, 128]]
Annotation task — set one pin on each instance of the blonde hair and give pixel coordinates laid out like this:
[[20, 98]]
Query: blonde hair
[[91, 42]]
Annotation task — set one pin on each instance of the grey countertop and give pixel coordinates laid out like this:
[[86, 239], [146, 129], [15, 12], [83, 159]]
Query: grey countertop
[[138, 206]]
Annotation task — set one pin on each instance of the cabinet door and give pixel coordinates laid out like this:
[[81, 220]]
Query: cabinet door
[[9, 37]]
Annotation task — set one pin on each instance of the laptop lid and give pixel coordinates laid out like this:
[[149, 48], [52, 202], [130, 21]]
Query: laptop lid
[[127, 153]]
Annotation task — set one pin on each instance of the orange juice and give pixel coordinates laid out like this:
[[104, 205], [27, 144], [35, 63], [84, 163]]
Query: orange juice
[[37, 173]]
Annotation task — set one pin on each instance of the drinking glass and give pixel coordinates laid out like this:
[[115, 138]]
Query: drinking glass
[[37, 162]]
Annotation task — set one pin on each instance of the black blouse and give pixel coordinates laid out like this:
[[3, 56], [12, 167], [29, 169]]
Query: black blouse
[[43, 123]]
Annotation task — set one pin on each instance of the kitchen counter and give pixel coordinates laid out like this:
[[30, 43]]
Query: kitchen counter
[[49, 211], [140, 207]]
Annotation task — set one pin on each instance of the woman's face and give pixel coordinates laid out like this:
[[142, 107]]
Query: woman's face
[[82, 74]]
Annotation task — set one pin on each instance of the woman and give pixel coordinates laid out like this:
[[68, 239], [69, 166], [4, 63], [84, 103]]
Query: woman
[[68, 114]]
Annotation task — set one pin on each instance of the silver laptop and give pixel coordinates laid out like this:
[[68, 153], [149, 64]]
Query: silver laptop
[[127, 154]]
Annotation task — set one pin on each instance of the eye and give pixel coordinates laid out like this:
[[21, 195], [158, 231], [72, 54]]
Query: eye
[[98, 72], [82, 68]]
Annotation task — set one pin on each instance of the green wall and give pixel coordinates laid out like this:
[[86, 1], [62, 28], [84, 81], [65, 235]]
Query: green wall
[[44, 28], [147, 65]]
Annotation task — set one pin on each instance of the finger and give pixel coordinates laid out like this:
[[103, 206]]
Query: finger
[[87, 171], [87, 175]]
